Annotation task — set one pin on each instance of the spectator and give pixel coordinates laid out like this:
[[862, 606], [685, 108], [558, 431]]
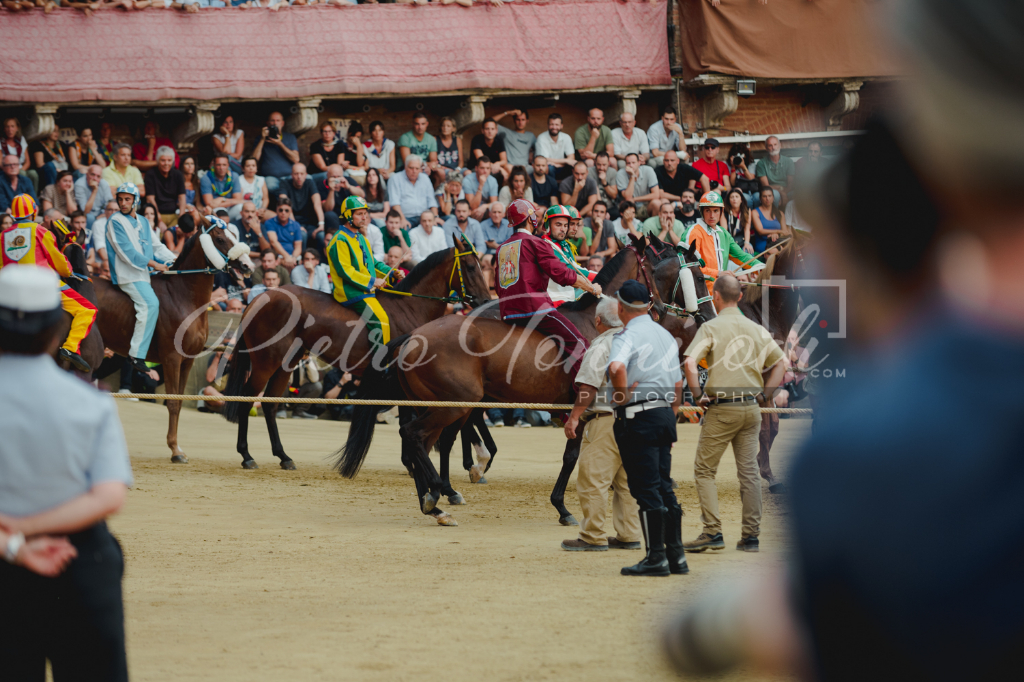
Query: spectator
[[92, 193], [602, 232], [664, 225], [395, 234], [776, 171], [6, 220], [793, 217], [480, 187], [449, 146], [271, 280], [544, 186], [687, 213], [306, 205], [165, 187], [157, 226], [337, 384], [251, 186], [106, 142], [218, 371], [674, 176], [517, 187], [84, 153], [193, 188], [325, 152], [716, 171], [49, 157], [639, 184], [742, 175], [595, 263], [99, 233], [768, 222], [249, 229], [376, 197], [79, 229], [468, 227], [496, 229], [664, 135], [269, 263], [579, 189], [61, 194], [737, 218], [144, 153], [14, 144], [231, 141], [807, 168], [220, 188], [174, 236], [394, 258], [519, 142], [311, 273], [378, 152], [593, 137], [334, 189], [121, 170], [427, 238], [411, 191], [488, 144], [284, 234], [419, 142], [629, 140], [627, 224], [605, 178], [449, 194], [557, 149], [375, 238], [276, 152], [354, 143]]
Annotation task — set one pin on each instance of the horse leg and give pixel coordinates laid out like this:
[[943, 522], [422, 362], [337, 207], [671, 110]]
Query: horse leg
[[276, 387], [423, 432], [491, 448], [769, 430], [569, 457], [242, 445], [447, 441], [406, 415], [173, 383]]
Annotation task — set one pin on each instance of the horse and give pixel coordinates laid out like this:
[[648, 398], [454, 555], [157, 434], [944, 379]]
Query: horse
[[335, 333], [475, 358], [184, 293], [91, 349]]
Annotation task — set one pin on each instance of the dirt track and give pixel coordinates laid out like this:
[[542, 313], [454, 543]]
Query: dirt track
[[302, 575]]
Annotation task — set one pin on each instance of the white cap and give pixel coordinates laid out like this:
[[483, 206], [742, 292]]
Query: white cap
[[29, 289]]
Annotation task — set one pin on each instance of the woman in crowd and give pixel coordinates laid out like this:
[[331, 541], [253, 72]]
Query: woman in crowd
[[626, 225], [84, 152], [6, 221], [49, 157], [13, 143], [254, 189], [376, 197], [325, 152], [737, 218], [741, 161], [231, 141], [106, 142], [149, 213], [450, 192], [354, 143], [61, 194], [449, 147], [518, 187], [768, 221], [193, 197], [378, 152]]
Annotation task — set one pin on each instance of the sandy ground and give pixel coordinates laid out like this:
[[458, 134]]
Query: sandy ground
[[302, 575]]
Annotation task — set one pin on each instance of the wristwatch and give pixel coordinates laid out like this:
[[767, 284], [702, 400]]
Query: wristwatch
[[14, 545]]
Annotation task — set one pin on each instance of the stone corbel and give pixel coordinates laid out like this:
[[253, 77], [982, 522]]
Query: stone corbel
[[719, 104], [41, 124], [470, 113], [844, 104], [198, 125], [305, 118], [625, 105]]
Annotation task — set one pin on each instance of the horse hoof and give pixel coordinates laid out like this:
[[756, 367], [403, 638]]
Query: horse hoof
[[482, 481], [569, 520], [179, 459], [476, 472], [250, 464], [457, 498], [429, 502], [446, 520], [288, 465]]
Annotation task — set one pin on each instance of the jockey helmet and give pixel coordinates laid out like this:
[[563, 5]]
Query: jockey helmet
[[351, 205], [555, 211], [711, 200], [519, 211], [23, 206], [573, 213], [129, 188]]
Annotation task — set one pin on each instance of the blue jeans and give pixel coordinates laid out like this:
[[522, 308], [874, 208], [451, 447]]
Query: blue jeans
[[498, 415]]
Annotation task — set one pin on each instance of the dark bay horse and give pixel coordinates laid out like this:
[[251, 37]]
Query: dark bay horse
[[474, 358], [92, 345], [279, 324], [181, 329]]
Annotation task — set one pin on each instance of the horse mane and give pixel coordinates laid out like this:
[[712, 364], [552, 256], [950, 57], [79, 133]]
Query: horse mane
[[421, 270], [186, 249], [76, 261], [607, 273]]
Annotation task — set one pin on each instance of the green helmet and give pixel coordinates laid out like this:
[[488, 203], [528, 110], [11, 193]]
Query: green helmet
[[350, 206], [711, 200], [573, 213], [555, 211]]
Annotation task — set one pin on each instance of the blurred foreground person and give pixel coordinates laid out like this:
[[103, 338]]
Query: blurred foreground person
[[889, 488]]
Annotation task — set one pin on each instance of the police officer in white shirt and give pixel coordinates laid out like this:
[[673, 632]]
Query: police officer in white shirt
[[62, 472]]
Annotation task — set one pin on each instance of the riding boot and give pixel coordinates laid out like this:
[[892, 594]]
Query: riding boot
[[674, 541], [75, 359], [652, 522]]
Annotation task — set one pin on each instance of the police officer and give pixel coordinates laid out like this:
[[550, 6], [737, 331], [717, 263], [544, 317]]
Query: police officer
[[738, 351], [59, 475], [644, 372]]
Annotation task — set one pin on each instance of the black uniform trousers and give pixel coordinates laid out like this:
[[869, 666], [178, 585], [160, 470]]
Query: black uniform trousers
[[645, 445], [75, 620]]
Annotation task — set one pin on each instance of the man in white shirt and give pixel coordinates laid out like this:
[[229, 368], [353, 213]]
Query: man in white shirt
[[427, 238], [629, 140], [557, 148], [376, 240], [311, 273]]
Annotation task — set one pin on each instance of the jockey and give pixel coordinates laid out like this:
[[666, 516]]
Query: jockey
[[714, 243], [356, 273], [558, 227], [28, 243], [129, 241], [525, 265]]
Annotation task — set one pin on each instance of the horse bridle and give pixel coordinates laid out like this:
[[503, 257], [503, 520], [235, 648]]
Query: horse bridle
[[209, 270], [452, 297], [680, 311]]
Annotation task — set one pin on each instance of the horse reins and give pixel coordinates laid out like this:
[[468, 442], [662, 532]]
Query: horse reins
[[679, 311], [451, 297]]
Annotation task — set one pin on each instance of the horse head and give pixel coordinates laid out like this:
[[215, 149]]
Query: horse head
[[222, 249], [467, 278], [682, 276]]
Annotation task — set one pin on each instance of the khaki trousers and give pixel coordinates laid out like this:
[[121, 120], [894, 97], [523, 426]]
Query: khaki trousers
[[739, 425], [599, 467]]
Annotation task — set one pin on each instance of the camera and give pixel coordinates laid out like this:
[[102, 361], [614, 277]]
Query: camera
[[735, 159], [273, 132]]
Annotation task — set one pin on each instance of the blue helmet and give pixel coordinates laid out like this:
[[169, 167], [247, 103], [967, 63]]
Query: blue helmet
[[129, 188]]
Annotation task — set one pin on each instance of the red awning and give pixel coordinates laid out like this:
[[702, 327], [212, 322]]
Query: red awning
[[330, 51]]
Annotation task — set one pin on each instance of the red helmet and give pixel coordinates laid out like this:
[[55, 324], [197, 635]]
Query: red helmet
[[519, 211]]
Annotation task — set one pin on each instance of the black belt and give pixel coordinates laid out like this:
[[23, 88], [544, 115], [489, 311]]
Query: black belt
[[726, 401], [596, 415]]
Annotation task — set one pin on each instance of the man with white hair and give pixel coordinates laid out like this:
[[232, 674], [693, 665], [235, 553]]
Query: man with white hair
[[600, 465], [628, 140], [427, 238], [165, 187], [411, 192]]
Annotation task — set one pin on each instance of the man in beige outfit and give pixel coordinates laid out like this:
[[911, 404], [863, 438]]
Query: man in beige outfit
[[600, 465], [738, 351]]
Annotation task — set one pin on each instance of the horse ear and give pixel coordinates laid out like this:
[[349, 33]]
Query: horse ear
[[690, 252]]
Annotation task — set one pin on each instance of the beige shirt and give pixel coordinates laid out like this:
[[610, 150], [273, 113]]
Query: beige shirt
[[114, 178], [594, 370], [737, 352]]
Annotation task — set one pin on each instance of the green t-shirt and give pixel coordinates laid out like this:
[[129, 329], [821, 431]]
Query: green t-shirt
[[588, 235], [390, 241], [653, 226], [582, 138], [422, 149], [775, 172]]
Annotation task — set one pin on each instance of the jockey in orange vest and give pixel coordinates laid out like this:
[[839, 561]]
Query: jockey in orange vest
[[28, 243]]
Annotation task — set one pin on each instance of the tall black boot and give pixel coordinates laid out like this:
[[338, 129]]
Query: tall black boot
[[653, 523], [674, 541]]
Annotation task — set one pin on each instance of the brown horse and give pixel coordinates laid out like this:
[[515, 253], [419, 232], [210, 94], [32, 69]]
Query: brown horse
[[92, 345], [474, 358], [184, 293], [284, 321]]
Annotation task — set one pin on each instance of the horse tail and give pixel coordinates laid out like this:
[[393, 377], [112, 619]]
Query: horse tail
[[375, 384], [241, 361]]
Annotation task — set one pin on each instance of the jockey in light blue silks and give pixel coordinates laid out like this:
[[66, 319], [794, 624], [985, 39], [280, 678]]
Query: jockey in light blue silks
[[130, 243]]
